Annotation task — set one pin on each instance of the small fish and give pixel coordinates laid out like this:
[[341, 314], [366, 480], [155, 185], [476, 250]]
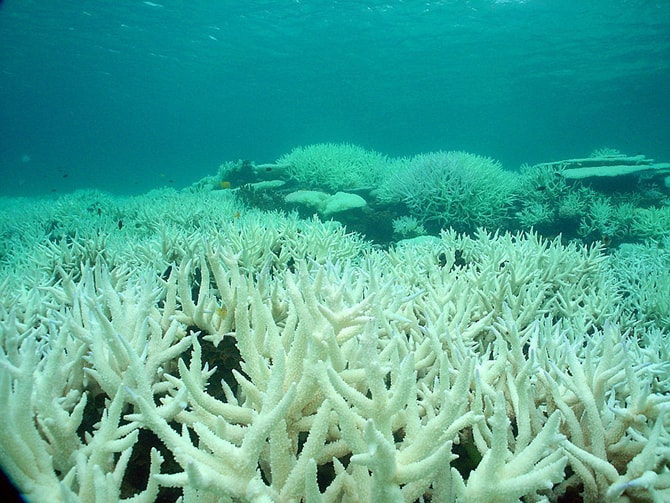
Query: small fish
[[225, 184], [222, 311], [120, 224], [236, 214]]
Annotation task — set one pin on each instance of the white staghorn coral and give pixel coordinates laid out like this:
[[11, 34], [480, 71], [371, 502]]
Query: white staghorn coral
[[451, 189], [284, 360], [335, 166]]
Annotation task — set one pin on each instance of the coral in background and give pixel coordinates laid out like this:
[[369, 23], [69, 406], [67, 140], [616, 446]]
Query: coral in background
[[451, 189], [606, 220], [598, 204], [590, 199], [491, 367], [605, 152], [652, 223], [643, 271], [407, 227], [546, 202], [335, 166]]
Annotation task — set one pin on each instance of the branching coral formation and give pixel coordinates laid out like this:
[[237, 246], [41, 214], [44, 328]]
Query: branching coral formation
[[335, 166], [265, 358], [451, 189], [609, 197]]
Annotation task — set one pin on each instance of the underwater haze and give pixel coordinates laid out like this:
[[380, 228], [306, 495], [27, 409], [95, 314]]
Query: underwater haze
[[126, 96]]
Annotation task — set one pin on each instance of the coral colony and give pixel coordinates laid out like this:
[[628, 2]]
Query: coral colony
[[235, 342]]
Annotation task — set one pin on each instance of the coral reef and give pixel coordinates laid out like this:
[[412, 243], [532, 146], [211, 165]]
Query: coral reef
[[261, 357], [334, 166], [550, 199], [590, 199], [451, 189], [407, 227], [642, 273]]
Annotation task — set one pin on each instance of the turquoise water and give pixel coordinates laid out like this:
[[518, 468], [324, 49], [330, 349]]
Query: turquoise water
[[129, 95]]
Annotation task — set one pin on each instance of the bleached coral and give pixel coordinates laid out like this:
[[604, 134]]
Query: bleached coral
[[484, 368], [535, 214], [605, 218], [652, 222], [407, 227], [644, 279], [605, 152], [335, 166], [451, 189], [551, 200], [545, 200]]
